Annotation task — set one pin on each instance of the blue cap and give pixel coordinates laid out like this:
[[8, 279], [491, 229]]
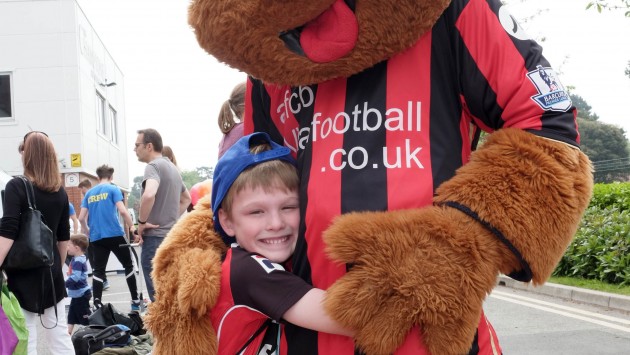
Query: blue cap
[[234, 161]]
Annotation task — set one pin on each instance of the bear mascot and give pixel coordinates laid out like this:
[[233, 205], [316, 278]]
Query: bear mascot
[[405, 222]]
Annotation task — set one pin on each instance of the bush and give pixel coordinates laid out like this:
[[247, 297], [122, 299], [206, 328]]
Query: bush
[[601, 248], [611, 195]]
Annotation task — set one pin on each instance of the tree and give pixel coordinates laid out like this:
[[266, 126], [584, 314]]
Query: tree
[[205, 172], [600, 5], [136, 192], [602, 141], [191, 177], [584, 109]]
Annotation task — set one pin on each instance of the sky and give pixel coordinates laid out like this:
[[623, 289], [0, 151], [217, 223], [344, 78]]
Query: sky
[[174, 86]]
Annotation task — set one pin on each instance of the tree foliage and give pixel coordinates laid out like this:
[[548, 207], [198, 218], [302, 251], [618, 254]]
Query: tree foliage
[[610, 5], [584, 109], [601, 141], [199, 174], [136, 192]]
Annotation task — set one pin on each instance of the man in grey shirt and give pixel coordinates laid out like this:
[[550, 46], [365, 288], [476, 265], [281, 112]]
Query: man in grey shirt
[[164, 199]]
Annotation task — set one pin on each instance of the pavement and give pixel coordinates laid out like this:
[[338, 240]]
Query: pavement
[[604, 299], [118, 294]]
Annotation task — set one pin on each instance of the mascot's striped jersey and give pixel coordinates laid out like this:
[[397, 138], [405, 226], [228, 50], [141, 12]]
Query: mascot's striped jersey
[[386, 138]]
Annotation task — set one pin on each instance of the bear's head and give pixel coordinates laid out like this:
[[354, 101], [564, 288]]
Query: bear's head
[[301, 42]]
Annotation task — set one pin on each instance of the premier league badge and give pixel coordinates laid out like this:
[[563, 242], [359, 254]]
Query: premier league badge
[[551, 94]]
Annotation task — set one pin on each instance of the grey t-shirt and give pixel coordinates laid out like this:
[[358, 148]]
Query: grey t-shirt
[[165, 210]]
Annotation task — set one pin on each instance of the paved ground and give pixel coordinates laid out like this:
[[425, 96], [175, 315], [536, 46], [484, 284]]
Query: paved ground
[[118, 295]]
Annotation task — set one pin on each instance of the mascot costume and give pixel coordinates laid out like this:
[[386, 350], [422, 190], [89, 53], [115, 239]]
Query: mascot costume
[[403, 222]]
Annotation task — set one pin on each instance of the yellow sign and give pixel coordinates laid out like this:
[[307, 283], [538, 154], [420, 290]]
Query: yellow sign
[[75, 160]]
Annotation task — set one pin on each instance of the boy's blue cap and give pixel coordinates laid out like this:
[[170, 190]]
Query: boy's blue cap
[[233, 162]]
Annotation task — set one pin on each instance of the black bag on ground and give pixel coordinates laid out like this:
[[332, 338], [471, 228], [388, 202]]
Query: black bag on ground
[[92, 338], [108, 315], [33, 247]]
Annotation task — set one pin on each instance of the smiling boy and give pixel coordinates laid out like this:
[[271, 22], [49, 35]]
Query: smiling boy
[[256, 210]]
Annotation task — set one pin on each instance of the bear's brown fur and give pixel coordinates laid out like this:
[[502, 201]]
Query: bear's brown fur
[[186, 274]]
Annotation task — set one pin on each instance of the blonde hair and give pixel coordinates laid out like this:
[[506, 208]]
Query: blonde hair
[[40, 162], [270, 175], [80, 240], [235, 105]]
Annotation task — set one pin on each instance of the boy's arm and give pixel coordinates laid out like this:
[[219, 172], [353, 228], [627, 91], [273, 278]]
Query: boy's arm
[[126, 217], [309, 313]]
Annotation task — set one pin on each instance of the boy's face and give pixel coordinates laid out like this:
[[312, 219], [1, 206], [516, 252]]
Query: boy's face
[[74, 249], [264, 222]]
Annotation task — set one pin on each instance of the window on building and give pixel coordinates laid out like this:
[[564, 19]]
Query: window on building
[[101, 117], [113, 124], [6, 101]]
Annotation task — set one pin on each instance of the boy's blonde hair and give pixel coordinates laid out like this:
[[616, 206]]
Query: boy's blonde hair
[[80, 240], [269, 175]]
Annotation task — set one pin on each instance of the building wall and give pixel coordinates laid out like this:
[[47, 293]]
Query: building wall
[[57, 64]]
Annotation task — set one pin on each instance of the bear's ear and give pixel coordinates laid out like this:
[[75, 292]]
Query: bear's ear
[[263, 38]]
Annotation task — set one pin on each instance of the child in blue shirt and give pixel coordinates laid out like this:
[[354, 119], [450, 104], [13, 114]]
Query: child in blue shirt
[[78, 289]]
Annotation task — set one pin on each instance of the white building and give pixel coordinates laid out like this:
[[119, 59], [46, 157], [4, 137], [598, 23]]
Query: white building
[[56, 76]]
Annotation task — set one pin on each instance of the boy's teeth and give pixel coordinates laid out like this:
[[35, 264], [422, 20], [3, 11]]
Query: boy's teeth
[[276, 240]]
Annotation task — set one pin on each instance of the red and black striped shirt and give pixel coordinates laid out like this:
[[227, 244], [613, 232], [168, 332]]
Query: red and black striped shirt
[[254, 291], [386, 138]]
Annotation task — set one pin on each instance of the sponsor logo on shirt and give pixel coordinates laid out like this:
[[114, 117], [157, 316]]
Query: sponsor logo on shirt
[[266, 264], [362, 118], [552, 95]]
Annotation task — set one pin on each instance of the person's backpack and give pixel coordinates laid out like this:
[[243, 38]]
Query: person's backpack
[[92, 338], [107, 315]]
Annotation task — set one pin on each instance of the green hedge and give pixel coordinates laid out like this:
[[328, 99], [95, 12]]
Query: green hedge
[[615, 195], [601, 249]]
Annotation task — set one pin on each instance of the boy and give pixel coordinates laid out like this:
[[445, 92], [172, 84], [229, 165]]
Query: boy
[[77, 285], [100, 209], [255, 204], [85, 185]]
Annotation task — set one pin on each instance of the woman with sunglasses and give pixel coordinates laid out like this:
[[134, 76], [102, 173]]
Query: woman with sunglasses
[[40, 296]]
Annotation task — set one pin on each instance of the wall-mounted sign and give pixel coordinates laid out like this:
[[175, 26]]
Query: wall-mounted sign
[[72, 180], [75, 160]]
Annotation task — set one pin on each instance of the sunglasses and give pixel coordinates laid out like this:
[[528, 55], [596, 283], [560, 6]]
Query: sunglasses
[[31, 132], [21, 147]]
